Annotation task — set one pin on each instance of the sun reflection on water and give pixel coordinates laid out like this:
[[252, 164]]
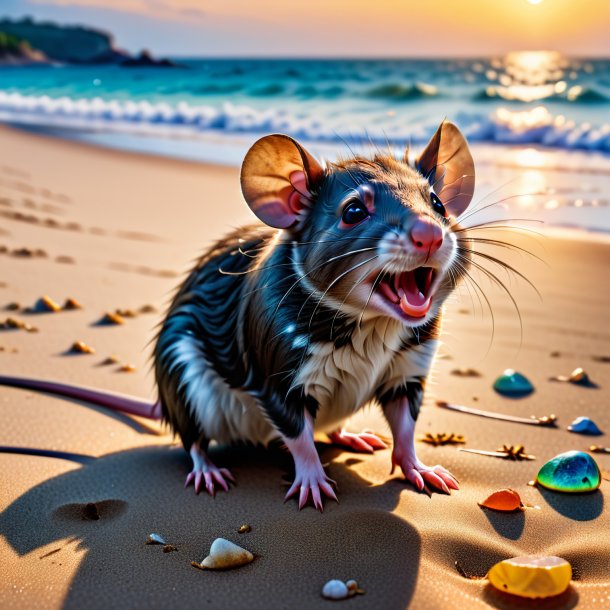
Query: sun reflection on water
[[528, 76]]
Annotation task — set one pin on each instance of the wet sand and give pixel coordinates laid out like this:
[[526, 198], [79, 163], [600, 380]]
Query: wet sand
[[131, 225]]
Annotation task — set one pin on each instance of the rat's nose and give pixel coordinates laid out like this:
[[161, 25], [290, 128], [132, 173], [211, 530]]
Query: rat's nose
[[426, 235]]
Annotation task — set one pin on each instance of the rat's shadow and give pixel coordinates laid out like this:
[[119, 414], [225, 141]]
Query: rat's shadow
[[112, 504]]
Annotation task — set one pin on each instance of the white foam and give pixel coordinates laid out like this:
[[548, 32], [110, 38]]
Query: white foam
[[534, 126]]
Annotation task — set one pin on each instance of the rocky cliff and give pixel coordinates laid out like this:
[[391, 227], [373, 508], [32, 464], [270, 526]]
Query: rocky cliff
[[71, 44]]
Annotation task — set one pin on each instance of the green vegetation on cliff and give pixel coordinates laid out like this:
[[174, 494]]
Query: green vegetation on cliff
[[14, 49], [70, 44], [11, 45]]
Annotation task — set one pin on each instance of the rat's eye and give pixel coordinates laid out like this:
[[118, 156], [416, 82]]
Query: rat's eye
[[354, 212], [438, 206]]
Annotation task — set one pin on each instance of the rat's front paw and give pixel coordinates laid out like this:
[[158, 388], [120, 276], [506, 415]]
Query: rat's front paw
[[419, 474], [314, 479], [205, 472]]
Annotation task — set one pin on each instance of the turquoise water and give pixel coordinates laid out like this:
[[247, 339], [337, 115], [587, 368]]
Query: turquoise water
[[538, 98]]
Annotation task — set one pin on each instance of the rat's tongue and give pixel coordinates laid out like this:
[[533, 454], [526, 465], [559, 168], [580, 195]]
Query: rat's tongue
[[413, 302]]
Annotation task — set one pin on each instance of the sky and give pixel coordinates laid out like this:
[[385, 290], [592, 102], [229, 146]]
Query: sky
[[337, 28]]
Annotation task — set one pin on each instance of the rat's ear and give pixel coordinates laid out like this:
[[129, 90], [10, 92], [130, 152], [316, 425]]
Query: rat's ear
[[278, 179], [447, 164]]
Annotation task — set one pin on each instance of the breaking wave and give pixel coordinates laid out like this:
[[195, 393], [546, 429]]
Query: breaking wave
[[533, 126]]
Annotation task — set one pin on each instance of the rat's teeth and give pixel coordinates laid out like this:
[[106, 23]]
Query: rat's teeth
[[421, 296]]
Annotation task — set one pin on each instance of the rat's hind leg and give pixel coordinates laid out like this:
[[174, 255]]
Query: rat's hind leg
[[364, 442], [309, 474], [205, 471]]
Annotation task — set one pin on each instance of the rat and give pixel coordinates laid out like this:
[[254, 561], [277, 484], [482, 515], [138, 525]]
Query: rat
[[290, 326]]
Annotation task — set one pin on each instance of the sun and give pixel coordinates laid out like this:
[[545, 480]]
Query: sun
[[534, 1]]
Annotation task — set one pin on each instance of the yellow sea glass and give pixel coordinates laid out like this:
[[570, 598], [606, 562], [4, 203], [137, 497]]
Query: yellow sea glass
[[531, 576]]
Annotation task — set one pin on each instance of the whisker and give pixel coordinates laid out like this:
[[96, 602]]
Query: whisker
[[470, 213], [376, 283], [495, 279], [253, 269], [501, 244], [355, 284], [334, 258], [307, 243], [493, 192], [339, 277], [482, 293], [492, 224], [505, 265]]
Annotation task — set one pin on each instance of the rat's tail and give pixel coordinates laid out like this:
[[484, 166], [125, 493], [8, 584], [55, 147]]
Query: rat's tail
[[110, 400]]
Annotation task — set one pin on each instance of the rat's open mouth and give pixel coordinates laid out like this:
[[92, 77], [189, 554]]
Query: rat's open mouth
[[409, 290]]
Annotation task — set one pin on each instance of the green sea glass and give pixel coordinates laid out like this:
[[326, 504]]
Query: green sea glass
[[570, 472], [512, 383]]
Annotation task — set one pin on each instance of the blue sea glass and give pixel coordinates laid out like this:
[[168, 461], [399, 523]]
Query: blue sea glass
[[511, 383], [584, 425], [570, 472]]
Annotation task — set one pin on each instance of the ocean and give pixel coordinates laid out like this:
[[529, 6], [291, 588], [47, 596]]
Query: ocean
[[213, 109]]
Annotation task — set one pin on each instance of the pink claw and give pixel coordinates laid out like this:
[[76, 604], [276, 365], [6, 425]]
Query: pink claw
[[418, 475], [317, 486], [309, 473], [205, 472], [402, 424], [364, 442]]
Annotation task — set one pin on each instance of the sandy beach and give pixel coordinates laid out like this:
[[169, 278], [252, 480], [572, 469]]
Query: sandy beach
[[115, 230]]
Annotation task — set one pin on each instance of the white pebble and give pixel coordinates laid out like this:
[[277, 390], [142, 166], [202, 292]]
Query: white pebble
[[335, 589]]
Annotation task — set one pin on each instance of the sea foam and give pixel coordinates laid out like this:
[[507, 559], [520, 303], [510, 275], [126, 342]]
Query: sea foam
[[534, 126]]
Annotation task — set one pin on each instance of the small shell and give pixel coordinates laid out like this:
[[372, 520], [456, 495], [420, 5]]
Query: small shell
[[127, 368], [598, 449], [14, 323], [244, 529], [335, 589], [14, 306], [46, 304], [504, 500], [80, 347], [353, 588], [125, 313], [155, 539], [465, 372], [111, 318], [225, 555], [578, 376], [147, 309], [110, 360], [71, 303], [351, 585]]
